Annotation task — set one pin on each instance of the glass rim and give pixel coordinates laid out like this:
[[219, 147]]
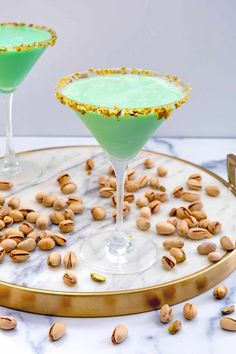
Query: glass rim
[[24, 47], [161, 111]]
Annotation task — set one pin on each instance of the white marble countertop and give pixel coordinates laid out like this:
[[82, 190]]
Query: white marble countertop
[[146, 334]]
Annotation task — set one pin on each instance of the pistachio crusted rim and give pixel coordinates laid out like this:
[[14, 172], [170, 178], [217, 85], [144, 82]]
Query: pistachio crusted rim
[[163, 111], [23, 47]]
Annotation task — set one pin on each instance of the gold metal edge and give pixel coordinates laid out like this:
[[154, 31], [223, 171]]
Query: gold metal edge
[[160, 112], [114, 303], [24, 47]]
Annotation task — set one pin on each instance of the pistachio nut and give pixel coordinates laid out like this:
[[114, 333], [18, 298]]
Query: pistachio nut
[[212, 191], [143, 181], [98, 277], [129, 197], [166, 313], [42, 222], [155, 206], [180, 212], [131, 186], [195, 176], [214, 257], [70, 278], [195, 206], [162, 171], [103, 181], [26, 228], [175, 327], [74, 199], [2, 225], [68, 188], [165, 228], [54, 259], [227, 243], [162, 188], [177, 192], [173, 242], [112, 182], [19, 256], [33, 235], [106, 192], [178, 254], [66, 226], [191, 221], [206, 247], [168, 262], [40, 196], [197, 233], [46, 244], [25, 211], [28, 245], [150, 195], [8, 245], [63, 178], [182, 228], [190, 197], [14, 203], [98, 213], [17, 236], [154, 183], [111, 170], [59, 239], [148, 163], [161, 196], [70, 260], [142, 202], [228, 310], [190, 311], [89, 165], [5, 211], [5, 185], [194, 184], [199, 215], [7, 322], [59, 204], [32, 217], [143, 224], [214, 227], [48, 200], [16, 215], [77, 208], [145, 212], [173, 220], [119, 334], [220, 292], [56, 217], [228, 324], [68, 214], [8, 221], [57, 331], [203, 223]]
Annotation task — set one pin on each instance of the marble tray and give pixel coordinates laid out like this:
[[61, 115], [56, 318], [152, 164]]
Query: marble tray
[[33, 286]]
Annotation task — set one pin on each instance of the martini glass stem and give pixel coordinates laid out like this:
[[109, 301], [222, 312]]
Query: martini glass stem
[[119, 242], [10, 158]]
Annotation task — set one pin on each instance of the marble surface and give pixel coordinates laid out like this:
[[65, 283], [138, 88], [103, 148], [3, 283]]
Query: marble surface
[[147, 335]]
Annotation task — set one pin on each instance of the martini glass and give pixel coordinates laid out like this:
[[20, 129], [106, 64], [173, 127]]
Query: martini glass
[[21, 45], [104, 100]]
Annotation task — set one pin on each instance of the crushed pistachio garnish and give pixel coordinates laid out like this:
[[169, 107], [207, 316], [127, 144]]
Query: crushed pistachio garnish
[[159, 111], [25, 47]]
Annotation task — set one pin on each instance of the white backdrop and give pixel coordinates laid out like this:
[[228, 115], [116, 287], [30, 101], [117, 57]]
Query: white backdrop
[[195, 40]]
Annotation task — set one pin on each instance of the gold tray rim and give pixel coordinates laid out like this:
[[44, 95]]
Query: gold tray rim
[[228, 261]]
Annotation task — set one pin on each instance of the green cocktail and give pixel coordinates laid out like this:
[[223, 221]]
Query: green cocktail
[[21, 46], [122, 109]]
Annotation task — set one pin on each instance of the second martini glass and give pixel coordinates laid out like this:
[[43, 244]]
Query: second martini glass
[[103, 99], [21, 46]]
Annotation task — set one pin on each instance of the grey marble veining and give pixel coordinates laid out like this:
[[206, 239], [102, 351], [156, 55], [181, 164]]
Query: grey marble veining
[[146, 334]]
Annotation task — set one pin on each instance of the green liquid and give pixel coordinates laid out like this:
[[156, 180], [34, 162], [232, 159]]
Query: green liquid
[[122, 137], [14, 66]]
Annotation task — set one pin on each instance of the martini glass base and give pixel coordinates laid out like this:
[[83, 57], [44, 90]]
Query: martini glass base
[[138, 255], [21, 172]]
